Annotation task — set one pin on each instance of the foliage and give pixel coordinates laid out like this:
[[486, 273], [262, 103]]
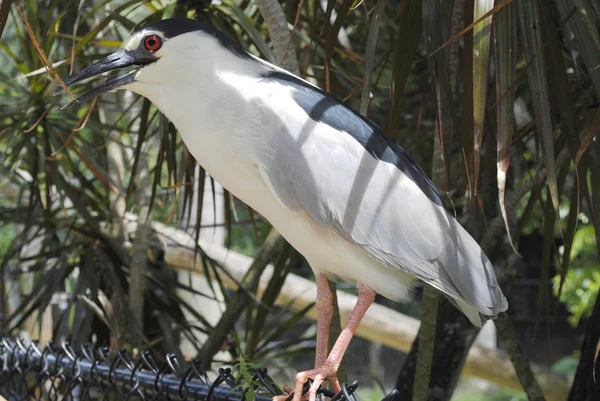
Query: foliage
[[567, 365], [582, 281], [246, 237], [246, 372], [502, 110], [64, 163]]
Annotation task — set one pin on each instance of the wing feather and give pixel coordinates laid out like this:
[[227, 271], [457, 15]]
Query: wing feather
[[379, 200]]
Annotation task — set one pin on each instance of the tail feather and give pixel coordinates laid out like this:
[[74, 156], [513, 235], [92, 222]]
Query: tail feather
[[477, 318]]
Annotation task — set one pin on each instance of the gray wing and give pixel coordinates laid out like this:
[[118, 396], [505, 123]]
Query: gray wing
[[379, 199]]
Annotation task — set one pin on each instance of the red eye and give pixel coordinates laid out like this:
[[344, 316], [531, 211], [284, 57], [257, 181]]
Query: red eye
[[152, 43]]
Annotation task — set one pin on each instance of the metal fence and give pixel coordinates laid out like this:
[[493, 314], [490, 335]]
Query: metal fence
[[31, 372]]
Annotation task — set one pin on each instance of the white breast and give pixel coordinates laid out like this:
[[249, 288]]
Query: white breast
[[226, 131]]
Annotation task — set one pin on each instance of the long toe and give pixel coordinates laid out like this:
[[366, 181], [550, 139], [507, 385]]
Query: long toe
[[335, 384], [317, 375]]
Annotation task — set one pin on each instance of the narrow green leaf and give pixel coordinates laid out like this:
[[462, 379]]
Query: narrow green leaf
[[466, 119], [168, 11], [594, 163], [249, 26], [590, 132], [183, 304], [280, 270], [186, 179], [481, 60], [370, 55], [436, 27], [102, 24], [159, 162], [505, 40], [569, 235], [94, 11], [137, 153], [561, 88], [229, 206], [410, 28], [543, 301], [494, 10], [282, 328], [199, 205], [583, 30], [4, 10], [253, 221], [331, 34], [530, 26]]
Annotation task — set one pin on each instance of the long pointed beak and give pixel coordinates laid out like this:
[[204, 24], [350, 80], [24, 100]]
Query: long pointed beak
[[119, 59]]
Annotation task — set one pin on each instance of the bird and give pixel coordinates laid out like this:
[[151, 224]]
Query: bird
[[335, 186]]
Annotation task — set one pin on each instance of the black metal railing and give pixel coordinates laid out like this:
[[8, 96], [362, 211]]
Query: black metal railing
[[31, 372]]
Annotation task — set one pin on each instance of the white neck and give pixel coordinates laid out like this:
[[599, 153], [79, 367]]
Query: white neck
[[195, 72], [211, 96]]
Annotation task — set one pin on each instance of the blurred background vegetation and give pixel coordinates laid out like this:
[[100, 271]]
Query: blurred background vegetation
[[503, 113]]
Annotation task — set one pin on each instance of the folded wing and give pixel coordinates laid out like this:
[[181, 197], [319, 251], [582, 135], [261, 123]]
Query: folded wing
[[380, 200]]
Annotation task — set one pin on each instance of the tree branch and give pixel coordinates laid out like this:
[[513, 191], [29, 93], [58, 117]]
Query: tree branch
[[380, 324], [280, 34], [508, 337], [586, 386]]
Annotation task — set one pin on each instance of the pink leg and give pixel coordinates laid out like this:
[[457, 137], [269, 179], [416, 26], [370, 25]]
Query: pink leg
[[324, 311], [328, 370], [324, 307]]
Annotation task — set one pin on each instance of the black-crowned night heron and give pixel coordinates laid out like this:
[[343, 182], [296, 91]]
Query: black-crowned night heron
[[340, 191]]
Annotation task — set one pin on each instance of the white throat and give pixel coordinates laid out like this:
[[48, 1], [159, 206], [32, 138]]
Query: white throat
[[211, 96]]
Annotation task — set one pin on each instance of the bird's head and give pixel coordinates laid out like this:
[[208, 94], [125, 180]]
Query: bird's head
[[163, 52]]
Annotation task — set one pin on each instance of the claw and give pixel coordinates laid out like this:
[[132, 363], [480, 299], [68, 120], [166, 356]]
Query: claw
[[328, 370], [318, 376]]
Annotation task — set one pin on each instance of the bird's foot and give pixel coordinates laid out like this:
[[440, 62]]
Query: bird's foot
[[280, 397], [318, 375]]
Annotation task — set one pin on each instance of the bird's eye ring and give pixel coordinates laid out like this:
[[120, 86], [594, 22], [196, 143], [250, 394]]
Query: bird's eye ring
[[152, 43]]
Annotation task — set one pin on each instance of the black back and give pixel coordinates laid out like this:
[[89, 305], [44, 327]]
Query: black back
[[319, 105], [323, 107]]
